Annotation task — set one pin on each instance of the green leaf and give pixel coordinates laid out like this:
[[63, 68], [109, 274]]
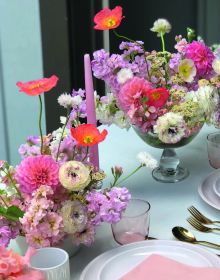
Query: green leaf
[[12, 213], [3, 192]]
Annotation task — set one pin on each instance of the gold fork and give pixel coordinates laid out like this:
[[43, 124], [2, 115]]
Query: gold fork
[[200, 217], [197, 225]]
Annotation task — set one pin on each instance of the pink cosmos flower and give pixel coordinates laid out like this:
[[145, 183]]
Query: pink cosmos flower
[[202, 57], [132, 92], [36, 171]]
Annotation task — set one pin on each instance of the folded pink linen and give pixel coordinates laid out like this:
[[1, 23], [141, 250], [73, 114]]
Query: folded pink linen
[[158, 267]]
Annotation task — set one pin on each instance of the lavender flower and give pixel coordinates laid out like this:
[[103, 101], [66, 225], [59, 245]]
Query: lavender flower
[[5, 236]]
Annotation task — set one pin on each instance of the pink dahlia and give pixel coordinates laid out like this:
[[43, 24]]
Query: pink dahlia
[[202, 57], [34, 172], [132, 92]]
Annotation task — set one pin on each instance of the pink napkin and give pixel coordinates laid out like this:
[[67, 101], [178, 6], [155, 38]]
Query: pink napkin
[[157, 267]]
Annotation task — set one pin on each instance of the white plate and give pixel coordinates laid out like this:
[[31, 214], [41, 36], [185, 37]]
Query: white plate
[[206, 190], [216, 187], [115, 263]]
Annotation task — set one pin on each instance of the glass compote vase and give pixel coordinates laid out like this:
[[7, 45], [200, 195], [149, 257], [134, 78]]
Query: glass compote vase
[[169, 169]]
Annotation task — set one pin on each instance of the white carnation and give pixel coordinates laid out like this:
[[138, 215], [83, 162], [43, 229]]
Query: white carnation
[[147, 160], [66, 100], [77, 100], [124, 74], [121, 120], [161, 26]]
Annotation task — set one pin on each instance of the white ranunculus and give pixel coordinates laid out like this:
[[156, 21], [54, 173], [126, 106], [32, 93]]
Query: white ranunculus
[[124, 75], [216, 65]]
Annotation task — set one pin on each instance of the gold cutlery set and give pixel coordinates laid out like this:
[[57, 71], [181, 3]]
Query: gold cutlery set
[[199, 222]]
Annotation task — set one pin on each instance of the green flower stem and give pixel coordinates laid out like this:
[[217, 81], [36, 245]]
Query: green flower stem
[[162, 40], [128, 176], [13, 184], [61, 138], [40, 127], [4, 202], [127, 39]]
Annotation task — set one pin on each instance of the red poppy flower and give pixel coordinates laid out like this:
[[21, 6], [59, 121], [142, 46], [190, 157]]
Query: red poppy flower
[[37, 87], [157, 97], [88, 134], [108, 19]]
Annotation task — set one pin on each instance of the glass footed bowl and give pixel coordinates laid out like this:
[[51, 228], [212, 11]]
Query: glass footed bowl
[[151, 139], [169, 169]]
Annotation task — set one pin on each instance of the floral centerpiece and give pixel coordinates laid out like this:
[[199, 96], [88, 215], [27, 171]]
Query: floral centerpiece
[[166, 97], [54, 192]]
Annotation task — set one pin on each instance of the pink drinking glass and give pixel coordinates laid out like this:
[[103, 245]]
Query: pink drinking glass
[[134, 224], [213, 147]]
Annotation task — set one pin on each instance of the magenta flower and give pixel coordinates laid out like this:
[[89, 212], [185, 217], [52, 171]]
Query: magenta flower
[[34, 172], [132, 92], [202, 57]]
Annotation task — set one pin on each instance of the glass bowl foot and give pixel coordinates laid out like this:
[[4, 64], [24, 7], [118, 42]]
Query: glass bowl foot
[[167, 176]]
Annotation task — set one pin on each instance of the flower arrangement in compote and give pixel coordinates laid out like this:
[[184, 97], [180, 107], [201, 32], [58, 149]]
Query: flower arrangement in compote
[[54, 191], [168, 94], [166, 97]]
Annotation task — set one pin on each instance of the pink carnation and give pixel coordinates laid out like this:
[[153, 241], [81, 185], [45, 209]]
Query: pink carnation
[[14, 266], [132, 91], [36, 171], [202, 57]]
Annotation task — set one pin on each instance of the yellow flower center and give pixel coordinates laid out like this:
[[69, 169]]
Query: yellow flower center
[[156, 95], [37, 85], [185, 70], [110, 22], [88, 139]]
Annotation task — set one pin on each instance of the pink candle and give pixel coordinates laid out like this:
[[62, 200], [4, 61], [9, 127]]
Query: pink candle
[[90, 106]]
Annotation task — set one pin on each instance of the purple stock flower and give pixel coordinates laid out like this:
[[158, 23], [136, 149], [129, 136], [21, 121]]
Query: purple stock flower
[[174, 61], [5, 235], [131, 48], [33, 140], [107, 206], [100, 66]]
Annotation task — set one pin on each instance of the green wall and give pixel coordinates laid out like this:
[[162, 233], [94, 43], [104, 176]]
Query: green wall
[[20, 60]]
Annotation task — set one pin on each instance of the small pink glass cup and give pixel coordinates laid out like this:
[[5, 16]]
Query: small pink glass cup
[[213, 147], [134, 224]]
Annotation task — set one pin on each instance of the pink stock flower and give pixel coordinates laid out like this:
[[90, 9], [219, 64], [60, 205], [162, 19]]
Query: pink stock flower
[[181, 46], [202, 57], [36, 171], [132, 91], [37, 240]]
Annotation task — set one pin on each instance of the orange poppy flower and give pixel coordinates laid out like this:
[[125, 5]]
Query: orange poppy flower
[[157, 97], [108, 19], [88, 134], [37, 87]]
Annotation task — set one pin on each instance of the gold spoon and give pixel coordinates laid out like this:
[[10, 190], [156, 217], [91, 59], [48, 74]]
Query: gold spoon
[[184, 235]]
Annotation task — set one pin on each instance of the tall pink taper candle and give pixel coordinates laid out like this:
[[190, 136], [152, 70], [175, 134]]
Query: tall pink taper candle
[[90, 106]]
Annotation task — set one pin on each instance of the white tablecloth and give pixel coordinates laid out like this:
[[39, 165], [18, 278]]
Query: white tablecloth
[[169, 202]]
